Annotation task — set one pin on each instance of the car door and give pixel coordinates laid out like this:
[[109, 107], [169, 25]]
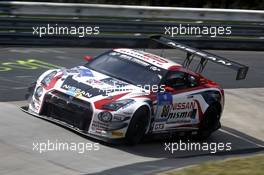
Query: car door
[[177, 107]]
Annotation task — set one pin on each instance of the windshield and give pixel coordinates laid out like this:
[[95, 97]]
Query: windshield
[[127, 68]]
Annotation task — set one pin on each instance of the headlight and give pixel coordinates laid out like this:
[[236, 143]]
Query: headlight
[[105, 117], [118, 104], [38, 93], [46, 80]]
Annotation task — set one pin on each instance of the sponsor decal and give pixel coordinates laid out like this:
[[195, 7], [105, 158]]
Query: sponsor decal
[[184, 105], [99, 125], [94, 82], [119, 117], [129, 55], [76, 92], [159, 126], [150, 57], [155, 58], [79, 94], [165, 111], [181, 117], [164, 98], [78, 89], [118, 133], [86, 73], [179, 112], [72, 71], [135, 60], [201, 54], [129, 58]]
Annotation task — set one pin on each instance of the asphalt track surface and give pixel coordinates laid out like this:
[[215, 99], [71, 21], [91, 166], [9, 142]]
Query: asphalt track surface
[[18, 130]]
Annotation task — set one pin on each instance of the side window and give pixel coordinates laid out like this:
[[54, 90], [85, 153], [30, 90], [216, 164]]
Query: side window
[[179, 80], [176, 80]]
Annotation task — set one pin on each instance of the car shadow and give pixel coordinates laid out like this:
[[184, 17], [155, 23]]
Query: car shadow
[[225, 141], [217, 145], [241, 144], [156, 157]]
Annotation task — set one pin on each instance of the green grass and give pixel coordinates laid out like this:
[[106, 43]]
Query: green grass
[[253, 165]]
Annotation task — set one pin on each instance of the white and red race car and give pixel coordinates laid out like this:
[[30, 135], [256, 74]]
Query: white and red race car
[[127, 94]]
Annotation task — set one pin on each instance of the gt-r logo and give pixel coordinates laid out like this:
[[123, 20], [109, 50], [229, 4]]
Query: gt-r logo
[[156, 58]]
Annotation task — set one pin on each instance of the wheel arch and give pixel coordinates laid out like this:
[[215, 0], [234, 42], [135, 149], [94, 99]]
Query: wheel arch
[[148, 108], [133, 136], [213, 98]]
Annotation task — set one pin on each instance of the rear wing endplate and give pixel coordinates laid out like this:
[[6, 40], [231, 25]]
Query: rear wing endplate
[[204, 57]]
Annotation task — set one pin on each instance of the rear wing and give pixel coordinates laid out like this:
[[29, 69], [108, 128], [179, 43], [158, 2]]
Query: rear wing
[[204, 56]]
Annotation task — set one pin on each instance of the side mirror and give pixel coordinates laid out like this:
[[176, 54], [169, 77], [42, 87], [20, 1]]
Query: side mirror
[[169, 89], [88, 58]]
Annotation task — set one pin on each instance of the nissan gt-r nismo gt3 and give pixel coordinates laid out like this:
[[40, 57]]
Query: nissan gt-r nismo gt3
[[128, 94]]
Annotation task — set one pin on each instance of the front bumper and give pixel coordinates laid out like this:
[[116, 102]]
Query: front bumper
[[77, 114], [73, 128], [71, 110]]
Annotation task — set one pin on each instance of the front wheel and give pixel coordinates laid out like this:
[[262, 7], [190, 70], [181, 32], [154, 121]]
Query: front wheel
[[138, 126]]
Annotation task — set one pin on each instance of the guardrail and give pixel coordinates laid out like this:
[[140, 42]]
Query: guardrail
[[18, 18], [96, 10]]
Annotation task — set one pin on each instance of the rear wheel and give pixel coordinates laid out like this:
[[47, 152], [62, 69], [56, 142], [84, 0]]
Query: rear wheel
[[138, 126], [209, 123]]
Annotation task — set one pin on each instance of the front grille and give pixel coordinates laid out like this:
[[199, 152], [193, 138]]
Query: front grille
[[68, 109]]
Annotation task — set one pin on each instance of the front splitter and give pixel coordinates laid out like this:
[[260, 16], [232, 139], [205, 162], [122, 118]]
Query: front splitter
[[72, 128]]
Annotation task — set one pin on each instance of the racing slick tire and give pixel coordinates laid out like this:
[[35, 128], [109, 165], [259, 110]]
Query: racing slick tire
[[208, 124], [138, 126]]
